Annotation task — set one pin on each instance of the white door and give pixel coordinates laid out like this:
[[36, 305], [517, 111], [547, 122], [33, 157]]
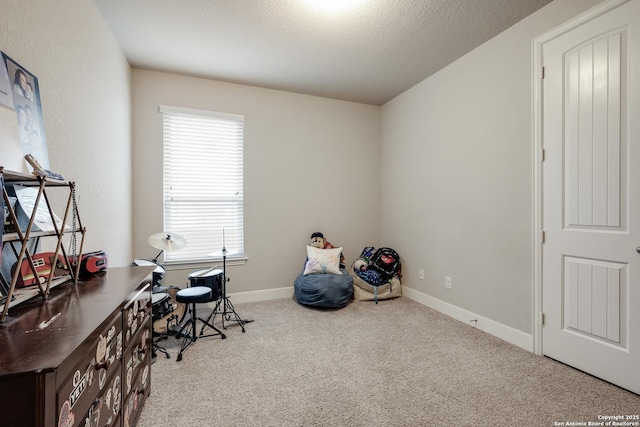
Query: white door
[[591, 197]]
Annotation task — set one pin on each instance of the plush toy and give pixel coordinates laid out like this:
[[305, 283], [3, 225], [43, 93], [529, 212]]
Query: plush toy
[[360, 265], [318, 241]]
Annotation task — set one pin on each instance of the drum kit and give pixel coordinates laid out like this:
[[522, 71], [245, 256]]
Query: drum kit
[[167, 314]]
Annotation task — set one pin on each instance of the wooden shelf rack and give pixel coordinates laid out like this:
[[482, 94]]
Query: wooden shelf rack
[[23, 235]]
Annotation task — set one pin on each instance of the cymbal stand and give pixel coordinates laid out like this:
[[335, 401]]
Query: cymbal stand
[[223, 304], [155, 260]]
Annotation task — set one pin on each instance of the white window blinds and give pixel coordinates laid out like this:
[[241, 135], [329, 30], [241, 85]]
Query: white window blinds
[[203, 198]]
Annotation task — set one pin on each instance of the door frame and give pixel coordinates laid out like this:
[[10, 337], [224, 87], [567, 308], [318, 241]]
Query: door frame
[[538, 155]]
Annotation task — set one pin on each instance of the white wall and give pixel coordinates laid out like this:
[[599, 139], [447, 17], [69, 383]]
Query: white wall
[[311, 164], [84, 84], [457, 175]]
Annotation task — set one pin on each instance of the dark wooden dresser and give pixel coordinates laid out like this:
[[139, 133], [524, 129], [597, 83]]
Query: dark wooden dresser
[[80, 358]]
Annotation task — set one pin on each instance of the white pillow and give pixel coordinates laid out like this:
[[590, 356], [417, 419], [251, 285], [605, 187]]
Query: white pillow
[[322, 261]]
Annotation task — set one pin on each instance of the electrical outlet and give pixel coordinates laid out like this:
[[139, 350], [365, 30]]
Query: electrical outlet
[[447, 282], [421, 274]]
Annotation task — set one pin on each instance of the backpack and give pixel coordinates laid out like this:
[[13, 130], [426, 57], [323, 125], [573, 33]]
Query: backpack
[[386, 262], [376, 275]]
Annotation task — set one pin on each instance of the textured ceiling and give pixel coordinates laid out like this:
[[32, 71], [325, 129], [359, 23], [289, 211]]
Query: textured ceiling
[[369, 53]]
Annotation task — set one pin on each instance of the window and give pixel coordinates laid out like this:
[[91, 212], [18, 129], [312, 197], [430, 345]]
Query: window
[[202, 169]]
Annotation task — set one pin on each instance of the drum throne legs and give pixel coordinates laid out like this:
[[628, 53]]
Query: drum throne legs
[[192, 296]]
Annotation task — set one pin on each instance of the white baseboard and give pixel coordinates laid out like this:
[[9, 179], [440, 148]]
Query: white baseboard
[[504, 332]]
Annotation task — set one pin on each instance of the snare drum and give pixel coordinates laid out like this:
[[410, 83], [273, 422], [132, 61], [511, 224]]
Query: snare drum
[[158, 272], [211, 278], [160, 305]]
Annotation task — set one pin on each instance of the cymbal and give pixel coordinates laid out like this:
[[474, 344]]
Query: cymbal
[[167, 241]]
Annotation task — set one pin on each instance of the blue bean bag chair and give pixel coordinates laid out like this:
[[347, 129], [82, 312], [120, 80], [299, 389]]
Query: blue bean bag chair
[[324, 290]]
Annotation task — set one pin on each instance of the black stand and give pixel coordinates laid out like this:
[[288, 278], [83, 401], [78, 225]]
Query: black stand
[[156, 337], [188, 330], [162, 336], [223, 305], [157, 348]]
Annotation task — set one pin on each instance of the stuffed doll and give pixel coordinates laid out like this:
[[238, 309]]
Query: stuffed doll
[[318, 241]]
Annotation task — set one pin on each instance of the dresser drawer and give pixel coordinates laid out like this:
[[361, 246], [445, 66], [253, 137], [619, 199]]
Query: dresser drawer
[[136, 368], [89, 378], [137, 356], [134, 401], [105, 410], [135, 312]]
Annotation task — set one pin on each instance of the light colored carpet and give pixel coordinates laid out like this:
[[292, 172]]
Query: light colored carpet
[[397, 363]]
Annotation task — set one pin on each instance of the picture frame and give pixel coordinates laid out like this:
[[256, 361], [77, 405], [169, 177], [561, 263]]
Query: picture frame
[[20, 94]]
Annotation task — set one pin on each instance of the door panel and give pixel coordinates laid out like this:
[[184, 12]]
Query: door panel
[[591, 295], [593, 140], [591, 197]]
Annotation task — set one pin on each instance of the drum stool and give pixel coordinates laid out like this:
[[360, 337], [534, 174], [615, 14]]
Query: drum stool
[[190, 297]]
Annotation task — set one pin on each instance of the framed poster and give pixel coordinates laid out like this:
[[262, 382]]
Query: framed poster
[[11, 157], [20, 94]]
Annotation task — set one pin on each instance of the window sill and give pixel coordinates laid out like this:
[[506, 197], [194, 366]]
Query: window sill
[[194, 265]]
